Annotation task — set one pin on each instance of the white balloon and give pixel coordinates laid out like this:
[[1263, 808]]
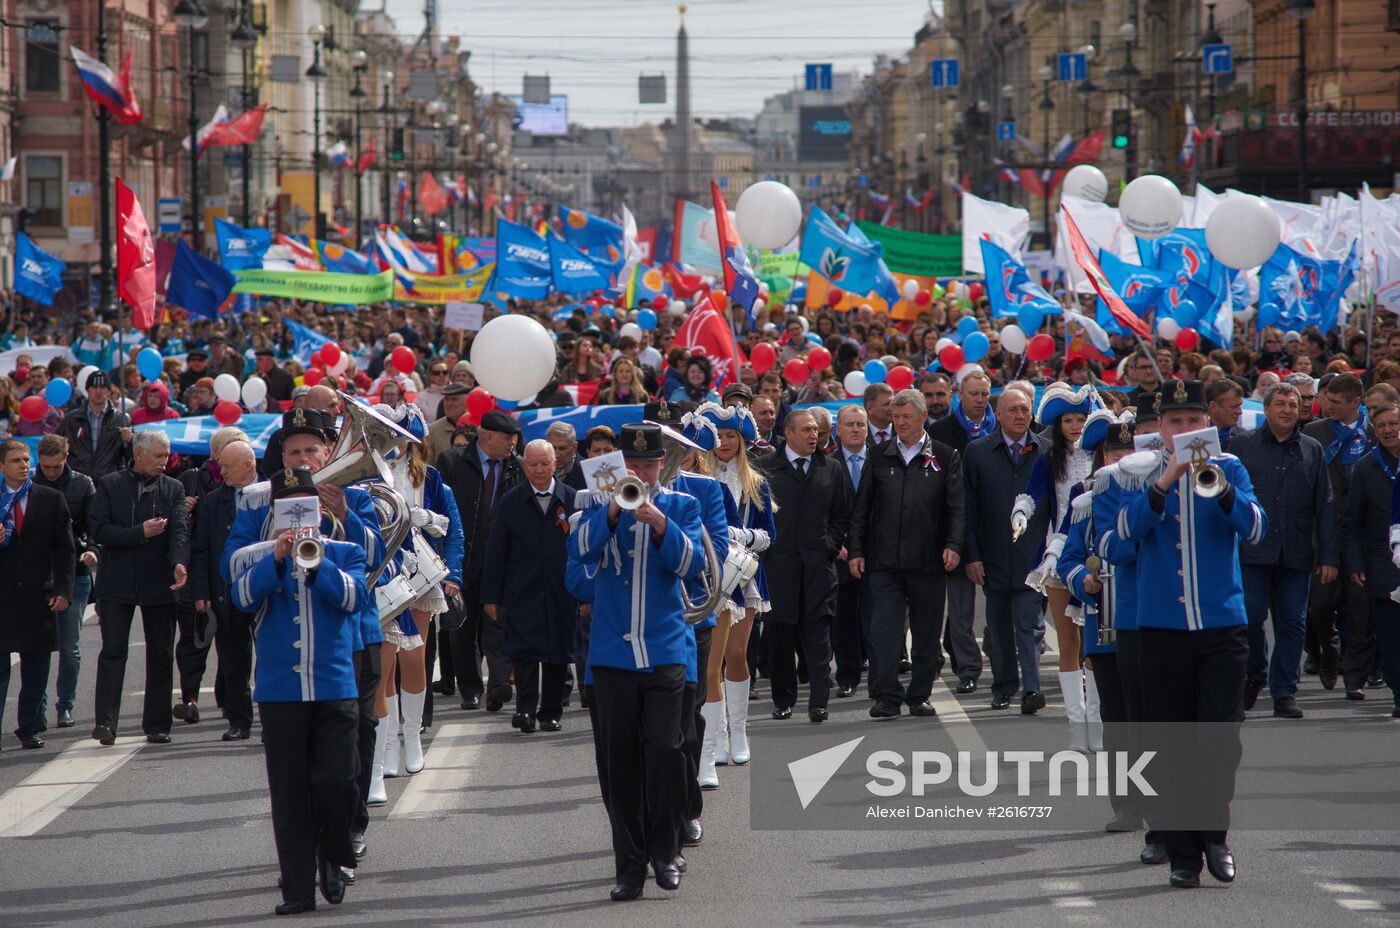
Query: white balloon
[[966, 369], [855, 383], [226, 388], [1013, 339], [677, 306], [911, 289], [768, 215], [513, 357], [1086, 182], [942, 343], [1150, 206], [254, 392], [630, 328], [1167, 328], [1243, 232], [80, 382], [340, 365], [806, 326]]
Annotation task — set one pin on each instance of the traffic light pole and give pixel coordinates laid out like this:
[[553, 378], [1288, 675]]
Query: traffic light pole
[[104, 182]]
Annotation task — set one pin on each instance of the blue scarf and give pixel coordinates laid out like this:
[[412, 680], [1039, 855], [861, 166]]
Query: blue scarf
[[1350, 441], [9, 499], [975, 430], [1379, 455]]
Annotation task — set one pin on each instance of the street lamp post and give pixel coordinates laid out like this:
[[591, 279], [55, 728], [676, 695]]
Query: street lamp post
[[1046, 107], [359, 60], [317, 34], [104, 183], [1129, 72], [1301, 10], [386, 107], [191, 15], [244, 37]]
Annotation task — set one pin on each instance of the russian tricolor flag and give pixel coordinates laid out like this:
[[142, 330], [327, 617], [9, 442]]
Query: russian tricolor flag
[[110, 91]]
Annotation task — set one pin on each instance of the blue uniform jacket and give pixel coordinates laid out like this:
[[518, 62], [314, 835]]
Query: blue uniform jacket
[[437, 497], [638, 610], [755, 520], [1079, 531], [305, 633], [1109, 499], [1189, 552], [717, 512]]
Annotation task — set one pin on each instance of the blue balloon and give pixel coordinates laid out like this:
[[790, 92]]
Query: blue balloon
[[933, 366], [1268, 314], [875, 371], [1186, 313], [507, 404], [975, 347], [967, 325], [1029, 318], [148, 362], [58, 392], [646, 319], [814, 338], [607, 310]]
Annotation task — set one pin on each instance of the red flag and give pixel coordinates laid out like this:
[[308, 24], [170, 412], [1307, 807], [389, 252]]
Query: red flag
[[685, 285], [368, 158], [431, 196], [242, 129], [1086, 152], [136, 259], [130, 114], [1086, 260], [165, 259], [704, 332]]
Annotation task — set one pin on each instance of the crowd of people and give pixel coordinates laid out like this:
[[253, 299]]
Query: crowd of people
[[871, 522]]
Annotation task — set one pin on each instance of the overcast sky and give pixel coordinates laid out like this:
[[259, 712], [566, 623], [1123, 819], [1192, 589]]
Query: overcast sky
[[741, 51]]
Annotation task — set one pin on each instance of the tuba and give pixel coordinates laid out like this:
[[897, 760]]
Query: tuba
[[678, 448]]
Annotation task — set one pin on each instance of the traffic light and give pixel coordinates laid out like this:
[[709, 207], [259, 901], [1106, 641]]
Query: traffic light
[[25, 217], [396, 146], [1121, 128]]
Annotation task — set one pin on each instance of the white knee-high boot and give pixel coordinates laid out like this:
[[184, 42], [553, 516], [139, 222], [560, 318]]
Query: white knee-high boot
[[721, 730], [1072, 687], [713, 713], [1093, 721], [377, 794], [736, 700], [390, 726], [412, 704]]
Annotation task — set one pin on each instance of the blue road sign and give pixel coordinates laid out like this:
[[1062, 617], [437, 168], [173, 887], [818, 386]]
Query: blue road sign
[[1217, 59], [1006, 131], [943, 72], [1074, 66], [818, 77]]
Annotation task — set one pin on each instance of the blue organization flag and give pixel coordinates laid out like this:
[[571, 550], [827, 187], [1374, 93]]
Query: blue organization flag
[[575, 272], [197, 285], [885, 286], [304, 341], [523, 266], [838, 257], [241, 249], [1140, 287], [595, 236], [341, 260], [1306, 290], [38, 274], [1009, 285]]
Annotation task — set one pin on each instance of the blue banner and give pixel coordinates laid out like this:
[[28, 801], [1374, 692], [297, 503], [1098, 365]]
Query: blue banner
[[838, 257], [241, 249], [1303, 290], [304, 341], [595, 236], [523, 268], [574, 271], [38, 274], [886, 288], [341, 260], [1140, 287], [1009, 285], [197, 285]]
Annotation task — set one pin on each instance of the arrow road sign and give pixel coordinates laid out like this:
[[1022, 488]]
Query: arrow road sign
[[943, 72], [1217, 59], [1006, 131], [1074, 66]]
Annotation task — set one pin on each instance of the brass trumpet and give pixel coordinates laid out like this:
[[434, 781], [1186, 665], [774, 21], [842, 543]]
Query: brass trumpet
[[1208, 480], [630, 493], [307, 550]]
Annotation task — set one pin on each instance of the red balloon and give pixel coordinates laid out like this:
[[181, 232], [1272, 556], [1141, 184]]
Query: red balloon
[[659, 301], [312, 376], [330, 353], [1040, 347], [901, 377], [835, 296], [480, 402], [763, 358], [405, 359], [468, 419], [923, 298], [410, 397], [317, 359], [1187, 339], [227, 413], [796, 371], [975, 291], [33, 408], [819, 359], [951, 358]]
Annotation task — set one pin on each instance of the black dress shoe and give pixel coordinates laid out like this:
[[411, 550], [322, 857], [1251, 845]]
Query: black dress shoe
[[235, 733], [549, 725], [358, 845], [625, 892], [923, 709], [668, 877], [1375, 681], [845, 692], [158, 737], [1310, 665], [498, 696], [1328, 680], [692, 833], [1032, 702], [104, 735], [30, 742], [295, 908], [1252, 686], [347, 876], [966, 685], [1001, 702], [65, 718], [179, 710], [1286, 707], [522, 721], [1185, 879], [471, 702], [884, 710], [332, 886], [1153, 854], [444, 688], [1356, 693], [817, 715], [680, 862], [906, 666], [782, 712], [1220, 862], [191, 713]]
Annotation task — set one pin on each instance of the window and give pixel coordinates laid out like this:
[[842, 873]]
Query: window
[[43, 177], [41, 62]]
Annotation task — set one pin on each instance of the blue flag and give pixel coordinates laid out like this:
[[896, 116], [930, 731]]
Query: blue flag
[[595, 236], [885, 286], [304, 341], [38, 274], [837, 256], [241, 249], [1010, 287], [523, 267], [574, 271], [341, 260], [197, 285], [1140, 287]]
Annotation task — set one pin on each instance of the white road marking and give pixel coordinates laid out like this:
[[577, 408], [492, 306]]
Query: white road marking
[[448, 767], [52, 789], [1351, 900], [954, 718]]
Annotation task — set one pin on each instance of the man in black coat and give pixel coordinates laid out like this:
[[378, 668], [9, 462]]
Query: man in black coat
[[139, 519], [522, 588], [36, 572], [907, 530], [813, 515], [850, 632], [479, 474], [98, 433], [279, 382], [997, 469]]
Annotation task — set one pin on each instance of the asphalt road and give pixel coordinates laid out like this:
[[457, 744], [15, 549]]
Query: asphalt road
[[508, 829]]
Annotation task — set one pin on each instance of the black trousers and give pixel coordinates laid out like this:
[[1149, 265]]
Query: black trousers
[[642, 768], [477, 638], [1195, 676], [535, 698], [310, 753], [1385, 616], [922, 595], [694, 734], [233, 643], [850, 629], [368, 669], [442, 647], [1125, 663], [812, 634], [158, 624], [1342, 601], [192, 650], [430, 641]]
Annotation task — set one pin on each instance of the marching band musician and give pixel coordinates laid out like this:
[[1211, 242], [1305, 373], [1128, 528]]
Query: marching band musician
[[306, 631], [636, 562], [1192, 624]]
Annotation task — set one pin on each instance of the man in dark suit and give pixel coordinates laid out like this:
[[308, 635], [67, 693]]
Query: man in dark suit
[[564, 439], [997, 469], [479, 474], [813, 514], [907, 530], [522, 588], [279, 382], [850, 632], [37, 560], [877, 399]]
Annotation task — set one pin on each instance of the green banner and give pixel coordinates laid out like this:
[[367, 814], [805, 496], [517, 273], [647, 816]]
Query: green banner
[[318, 286], [915, 253], [780, 265]]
